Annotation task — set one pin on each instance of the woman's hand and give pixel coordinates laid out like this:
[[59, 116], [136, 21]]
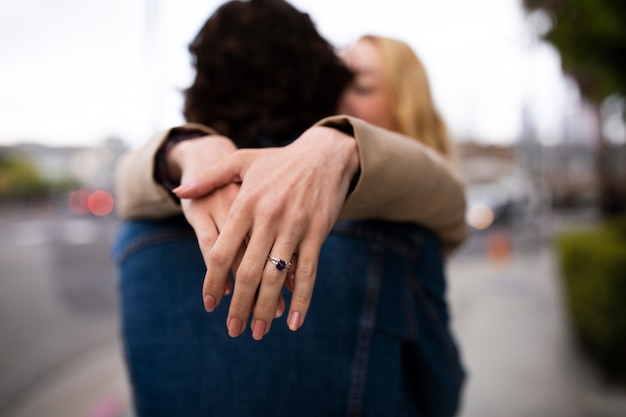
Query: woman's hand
[[288, 202], [207, 213]]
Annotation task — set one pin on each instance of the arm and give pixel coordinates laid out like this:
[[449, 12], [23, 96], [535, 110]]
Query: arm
[[421, 188]]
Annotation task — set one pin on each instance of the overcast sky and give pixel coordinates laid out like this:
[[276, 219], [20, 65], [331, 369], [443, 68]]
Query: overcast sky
[[78, 71]]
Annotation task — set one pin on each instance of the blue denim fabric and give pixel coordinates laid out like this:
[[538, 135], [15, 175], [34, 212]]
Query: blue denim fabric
[[375, 342]]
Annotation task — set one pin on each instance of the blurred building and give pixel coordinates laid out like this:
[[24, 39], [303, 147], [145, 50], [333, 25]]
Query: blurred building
[[91, 167], [565, 171]]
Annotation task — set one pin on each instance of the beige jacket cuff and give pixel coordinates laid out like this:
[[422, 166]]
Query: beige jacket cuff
[[403, 180]]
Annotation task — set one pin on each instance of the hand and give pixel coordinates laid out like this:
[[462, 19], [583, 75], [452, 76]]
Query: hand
[[288, 202], [207, 213]]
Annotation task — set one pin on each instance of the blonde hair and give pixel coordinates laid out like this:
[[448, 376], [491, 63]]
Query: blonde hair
[[412, 106]]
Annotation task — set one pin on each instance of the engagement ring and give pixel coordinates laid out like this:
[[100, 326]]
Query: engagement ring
[[279, 263]]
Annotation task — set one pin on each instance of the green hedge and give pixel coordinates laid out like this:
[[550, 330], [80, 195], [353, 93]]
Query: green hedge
[[593, 267]]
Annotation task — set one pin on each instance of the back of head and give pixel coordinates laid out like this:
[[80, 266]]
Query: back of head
[[262, 70], [411, 99]]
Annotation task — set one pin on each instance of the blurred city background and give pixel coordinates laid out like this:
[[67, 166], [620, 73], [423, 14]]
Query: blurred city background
[[534, 94]]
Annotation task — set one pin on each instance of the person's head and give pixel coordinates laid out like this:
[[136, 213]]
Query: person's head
[[262, 70], [391, 90]]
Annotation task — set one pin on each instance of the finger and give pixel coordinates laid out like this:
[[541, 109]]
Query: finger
[[271, 286], [228, 286], [247, 279], [268, 301], [206, 234], [280, 308], [305, 271], [291, 273], [219, 213], [219, 261], [233, 269], [222, 173]]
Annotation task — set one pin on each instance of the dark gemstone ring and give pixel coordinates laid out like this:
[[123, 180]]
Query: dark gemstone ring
[[279, 263]]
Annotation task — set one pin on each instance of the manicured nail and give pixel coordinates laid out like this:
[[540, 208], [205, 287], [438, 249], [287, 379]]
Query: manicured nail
[[235, 327], [294, 321], [209, 303], [258, 329], [180, 188]]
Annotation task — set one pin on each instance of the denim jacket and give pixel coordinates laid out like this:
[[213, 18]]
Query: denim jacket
[[376, 341]]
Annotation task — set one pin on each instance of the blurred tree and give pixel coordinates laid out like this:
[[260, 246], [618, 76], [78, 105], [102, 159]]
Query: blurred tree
[[19, 180], [590, 36]]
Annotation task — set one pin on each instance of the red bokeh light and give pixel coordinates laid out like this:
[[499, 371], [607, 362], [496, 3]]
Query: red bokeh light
[[100, 203], [78, 201]]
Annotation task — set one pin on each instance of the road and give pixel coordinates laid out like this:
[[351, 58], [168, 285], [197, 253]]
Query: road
[[58, 309]]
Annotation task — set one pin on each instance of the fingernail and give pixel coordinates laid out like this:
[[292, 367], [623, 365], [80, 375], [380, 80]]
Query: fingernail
[[209, 303], [291, 276], [180, 188], [258, 329], [294, 321], [235, 327]]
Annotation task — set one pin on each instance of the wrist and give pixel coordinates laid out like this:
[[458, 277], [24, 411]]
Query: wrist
[[340, 144], [353, 161], [189, 159], [166, 173], [349, 151], [173, 162]]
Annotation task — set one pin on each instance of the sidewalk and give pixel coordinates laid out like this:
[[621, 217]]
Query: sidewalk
[[92, 385], [522, 362]]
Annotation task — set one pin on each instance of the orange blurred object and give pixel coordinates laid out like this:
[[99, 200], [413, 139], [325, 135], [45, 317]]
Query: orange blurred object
[[499, 246]]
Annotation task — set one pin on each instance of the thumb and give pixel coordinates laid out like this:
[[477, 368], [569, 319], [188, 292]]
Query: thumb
[[222, 173]]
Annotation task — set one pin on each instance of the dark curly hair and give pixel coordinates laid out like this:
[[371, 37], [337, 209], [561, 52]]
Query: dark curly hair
[[262, 71]]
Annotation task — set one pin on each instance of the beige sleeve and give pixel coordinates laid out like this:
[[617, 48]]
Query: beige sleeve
[[403, 180], [137, 193]]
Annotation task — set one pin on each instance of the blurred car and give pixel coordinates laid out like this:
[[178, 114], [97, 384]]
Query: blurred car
[[510, 200]]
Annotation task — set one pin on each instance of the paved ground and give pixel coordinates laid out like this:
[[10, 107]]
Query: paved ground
[[59, 352], [522, 361], [91, 385]]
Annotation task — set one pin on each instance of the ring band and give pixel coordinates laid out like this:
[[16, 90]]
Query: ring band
[[279, 263]]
